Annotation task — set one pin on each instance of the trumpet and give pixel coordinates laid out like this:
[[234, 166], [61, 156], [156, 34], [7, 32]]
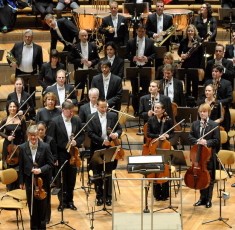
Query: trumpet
[[168, 32], [10, 57]]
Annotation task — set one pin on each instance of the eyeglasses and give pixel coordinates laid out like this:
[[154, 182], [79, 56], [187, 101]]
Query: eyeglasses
[[219, 51], [61, 77]]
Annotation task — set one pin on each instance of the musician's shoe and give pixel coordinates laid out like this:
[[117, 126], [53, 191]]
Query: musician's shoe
[[72, 206], [99, 202], [233, 185], [199, 203], [208, 204], [108, 202]]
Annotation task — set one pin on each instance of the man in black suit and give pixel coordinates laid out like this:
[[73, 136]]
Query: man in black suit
[[172, 87], [109, 85], [100, 139], [223, 95], [115, 26], [36, 161], [148, 101], [212, 140], [141, 53], [228, 72], [63, 129], [62, 30], [157, 23], [230, 50], [90, 107], [62, 90]]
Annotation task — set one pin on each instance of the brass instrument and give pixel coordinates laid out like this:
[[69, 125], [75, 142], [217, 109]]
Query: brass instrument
[[10, 57], [168, 32], [108, 28]]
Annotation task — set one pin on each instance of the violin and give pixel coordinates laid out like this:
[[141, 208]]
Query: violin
[[13, 154], [75, 159], [39, 192]]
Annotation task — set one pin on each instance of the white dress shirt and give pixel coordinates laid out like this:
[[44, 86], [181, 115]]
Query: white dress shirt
[[26, 64], [106, 83], [61, 93], [84, 49], [68, 126], [103, 122], [140, 49]]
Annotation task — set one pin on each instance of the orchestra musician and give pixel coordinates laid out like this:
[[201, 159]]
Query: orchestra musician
[[172, 87], [223, 95], [63, 128], [191, 61], [109, 85], [228, 72], [62, 90], [35, 161], [141, 53], [212, 140], [47, 74], [13, 130], [205, 22], [62, 4], [90, 107], [100, 139], [148, 101], [157, 23], [21, 96], [229, 50], [115, 26]]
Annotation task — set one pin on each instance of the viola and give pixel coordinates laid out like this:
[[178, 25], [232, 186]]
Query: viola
[[39, 192], [13, 154], [75, 159]]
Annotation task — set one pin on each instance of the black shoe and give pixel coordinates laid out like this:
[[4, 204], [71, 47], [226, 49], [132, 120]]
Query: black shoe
[[108, 202], [208, 204], [233, 185], [99, 202], [72, 206], [199, 203]]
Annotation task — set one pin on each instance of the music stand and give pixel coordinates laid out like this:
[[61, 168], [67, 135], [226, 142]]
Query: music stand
[[30, 80], [100, 159], [187, 113], [64, 58], [208, 50], [139, 77], [1, 54], [122, 52]]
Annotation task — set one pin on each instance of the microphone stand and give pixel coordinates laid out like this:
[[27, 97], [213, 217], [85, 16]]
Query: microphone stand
[[62, 198]]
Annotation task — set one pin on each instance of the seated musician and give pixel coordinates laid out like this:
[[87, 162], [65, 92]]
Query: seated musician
[[157, 125], [229, 50], [109, 85], [212, 140], [158, 23], [100, 139], [147, 102], [172, 87], [115, 26], [62, 4], [62, 90]]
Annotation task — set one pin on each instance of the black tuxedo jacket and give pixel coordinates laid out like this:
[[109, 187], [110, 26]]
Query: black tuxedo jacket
[[229, 70], [29, 103], [229, 51], [68, 90], [84, 111], [37, 55], [149, 51], [179, 98], [114, 93], [44, 160], [68, 30], [95, 129], [145, 106], [59, 134], [151, 23], [122, 29], [75, 56], [46, 76]]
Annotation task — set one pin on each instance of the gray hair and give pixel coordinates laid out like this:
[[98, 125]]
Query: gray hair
[[28, 31], [93, 90], [32, 129]]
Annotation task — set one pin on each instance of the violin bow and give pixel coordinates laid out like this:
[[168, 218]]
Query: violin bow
[[126, 114], [72, 91], [208, 133], [29, 98], [119, 118]]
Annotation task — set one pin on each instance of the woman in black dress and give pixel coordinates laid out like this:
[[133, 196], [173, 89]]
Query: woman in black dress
[[13, 130]]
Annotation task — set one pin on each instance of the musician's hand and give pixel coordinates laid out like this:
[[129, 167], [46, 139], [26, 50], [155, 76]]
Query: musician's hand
[[183, 56], [111, 30], [10, 138], [162, 138], [36, 171], [155, 35], [22, 186], [234, 61], [88, 63], [144, 59], [202, 142], [14, 65], [106, 143], [135, 58], [113, 135], [150, 113], [73, 143], [56, 163], [67, 1]]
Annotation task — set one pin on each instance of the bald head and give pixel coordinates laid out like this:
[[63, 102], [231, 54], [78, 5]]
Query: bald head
[[83, 36]]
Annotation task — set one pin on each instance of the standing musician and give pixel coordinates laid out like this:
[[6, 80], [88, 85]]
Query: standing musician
[[115, 26], [63, 128], [13, 130], [191, 61], [100, 139], [172, 87], [157, 125], [109, 85], [36, 162], [62, 30], [62, 90], [212, 140], [21, 96], [147, 102], [141, 53], [223, 95], [158, 23], [205, 22]]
